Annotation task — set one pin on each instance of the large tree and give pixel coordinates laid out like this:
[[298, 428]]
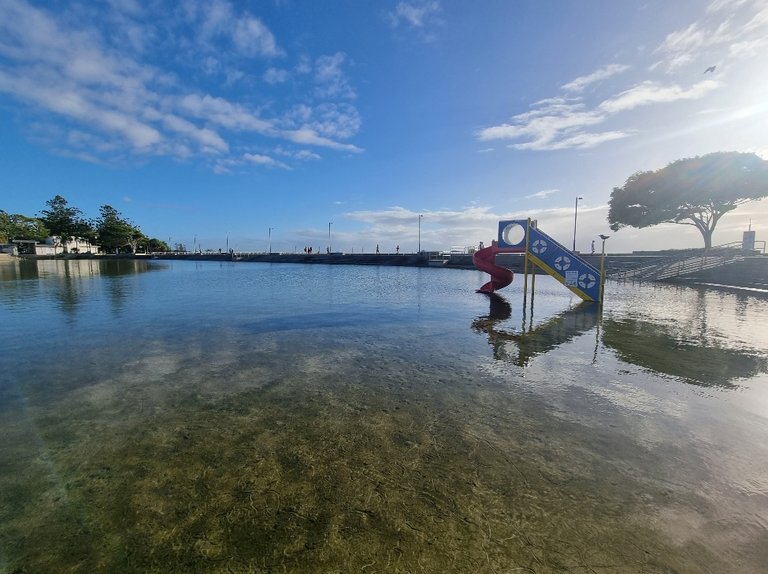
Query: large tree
[[157, 246], [115, 232], [694, 191], [65, 221], [17, 226]]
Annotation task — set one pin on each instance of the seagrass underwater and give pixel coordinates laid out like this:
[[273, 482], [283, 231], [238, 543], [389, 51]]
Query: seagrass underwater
[[198, 416]]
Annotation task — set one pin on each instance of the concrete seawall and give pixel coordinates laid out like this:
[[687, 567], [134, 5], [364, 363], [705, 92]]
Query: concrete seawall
[[750, 273]]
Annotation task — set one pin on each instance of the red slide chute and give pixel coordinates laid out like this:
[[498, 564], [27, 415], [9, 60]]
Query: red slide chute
[[485, 260]]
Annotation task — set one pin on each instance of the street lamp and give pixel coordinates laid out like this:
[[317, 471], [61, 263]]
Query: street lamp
[[270, 239], [575, 215], [420, 216], [329, 236], [602, 267]]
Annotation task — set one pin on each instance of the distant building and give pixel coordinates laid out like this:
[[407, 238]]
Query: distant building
[[54, 246]]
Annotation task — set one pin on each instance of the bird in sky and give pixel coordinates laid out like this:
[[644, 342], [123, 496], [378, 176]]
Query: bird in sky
[[710, 69]]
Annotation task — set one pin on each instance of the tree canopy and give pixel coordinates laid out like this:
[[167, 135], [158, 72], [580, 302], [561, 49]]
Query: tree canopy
[[65, 221], [17, 226], [115, 232], [111, 230], [694, 191]]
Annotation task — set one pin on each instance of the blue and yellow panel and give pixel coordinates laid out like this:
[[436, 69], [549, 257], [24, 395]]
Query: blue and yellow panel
[[563, 264]]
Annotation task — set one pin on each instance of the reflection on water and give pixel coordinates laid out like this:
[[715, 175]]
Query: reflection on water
[[68, 282], [289, 418], [529, 340], [658, 348]]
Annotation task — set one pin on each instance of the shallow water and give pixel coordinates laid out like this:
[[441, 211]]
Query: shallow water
[[206, 417]]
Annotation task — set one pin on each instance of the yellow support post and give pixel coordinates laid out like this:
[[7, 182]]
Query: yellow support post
[[525, 266]]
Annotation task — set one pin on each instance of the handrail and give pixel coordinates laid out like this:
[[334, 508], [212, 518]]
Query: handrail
[[684, 264]]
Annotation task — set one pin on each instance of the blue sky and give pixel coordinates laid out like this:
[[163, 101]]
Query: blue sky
[[207, 121]]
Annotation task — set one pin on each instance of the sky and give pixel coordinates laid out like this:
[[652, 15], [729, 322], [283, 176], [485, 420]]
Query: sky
[[418, 124]]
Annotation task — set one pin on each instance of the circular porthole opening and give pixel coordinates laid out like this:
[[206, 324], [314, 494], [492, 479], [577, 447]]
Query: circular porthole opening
[[513, 234]]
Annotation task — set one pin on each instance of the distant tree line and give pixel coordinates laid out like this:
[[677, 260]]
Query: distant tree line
[[111, 231]]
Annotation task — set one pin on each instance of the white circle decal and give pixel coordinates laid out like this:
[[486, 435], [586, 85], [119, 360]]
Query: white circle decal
[[562, 263], [539, 246], [587, 280]]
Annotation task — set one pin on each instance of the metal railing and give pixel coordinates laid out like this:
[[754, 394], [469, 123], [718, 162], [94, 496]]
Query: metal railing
[[685, 263]]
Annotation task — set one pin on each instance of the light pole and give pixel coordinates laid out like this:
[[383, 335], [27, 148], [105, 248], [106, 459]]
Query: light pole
[[575, 215], [270, 239], [329, 236], [420, 216], [602, 267]]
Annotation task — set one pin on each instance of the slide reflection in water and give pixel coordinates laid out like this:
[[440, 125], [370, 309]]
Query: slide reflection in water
[[534, 340]]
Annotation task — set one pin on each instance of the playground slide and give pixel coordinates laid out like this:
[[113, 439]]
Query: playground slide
[[485, 260]]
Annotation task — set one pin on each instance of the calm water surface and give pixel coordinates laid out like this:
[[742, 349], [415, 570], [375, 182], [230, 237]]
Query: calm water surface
[[206, 417]]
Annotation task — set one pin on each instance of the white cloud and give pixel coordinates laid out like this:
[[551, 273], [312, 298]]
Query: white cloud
[[598, 75], [207, 138], [577, 141], [306, 136], [718, 5], [275, 76], [414, 14], [725, 23], [560, 123], [327, 121], [728, 33], [340, 121], [253, 38], [649, 92], [306, 155], [302, 154], [330, 78], [67, 65], [685, 40], [468, 226], [260, 159], [543, 194], [555, 124], [223, 113]]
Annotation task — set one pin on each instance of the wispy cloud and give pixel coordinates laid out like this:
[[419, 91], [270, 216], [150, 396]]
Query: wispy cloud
[[726, 23], [648, 93], [330, 79], [414, 14], [566, 122], [469, 225], [571, 120], [260, 159], [598, 75], [552, 124], [543, 194], [420, 18], [560, 123], [465, 226], [276, 76], [84, 71], [253, 38], [439, 227]]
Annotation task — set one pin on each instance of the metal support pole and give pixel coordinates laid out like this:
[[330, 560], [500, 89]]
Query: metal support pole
[[575, 215], [602, 270], [420, 216], [525, 265]]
